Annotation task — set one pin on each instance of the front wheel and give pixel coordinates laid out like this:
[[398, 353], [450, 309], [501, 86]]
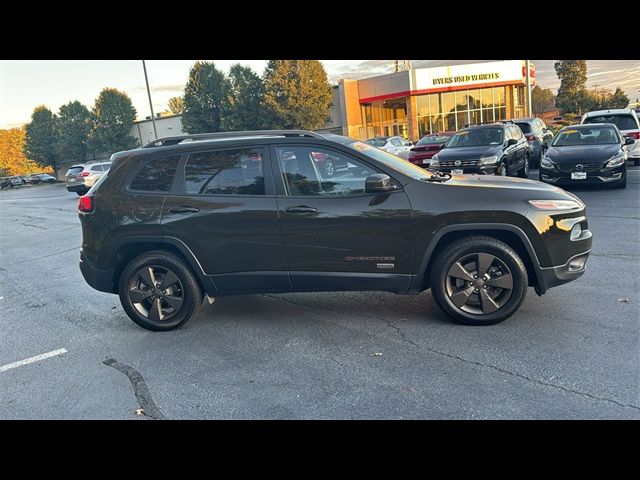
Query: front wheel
[[502, 169], [524, 171], [479, 280], [158, 291]]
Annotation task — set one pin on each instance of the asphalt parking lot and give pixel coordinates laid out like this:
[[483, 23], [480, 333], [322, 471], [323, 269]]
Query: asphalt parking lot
[[573, 353]]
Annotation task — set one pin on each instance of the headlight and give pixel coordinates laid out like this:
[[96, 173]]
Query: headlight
[[487, 160], [555, 204], [546, 162], [618, 160], [434, 161]]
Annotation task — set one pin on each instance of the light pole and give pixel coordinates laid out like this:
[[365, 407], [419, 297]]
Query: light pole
[[528, 88], [153, 117]]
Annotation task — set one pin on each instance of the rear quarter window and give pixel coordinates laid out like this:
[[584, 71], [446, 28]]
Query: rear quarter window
[[157, 175]]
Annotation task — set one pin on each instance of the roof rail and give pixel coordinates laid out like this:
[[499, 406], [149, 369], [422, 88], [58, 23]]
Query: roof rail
[[168, 141], [497, 122]]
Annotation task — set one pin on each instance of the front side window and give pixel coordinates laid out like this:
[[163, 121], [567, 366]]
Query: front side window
[[315, 171], [225, 172], [157, 175]]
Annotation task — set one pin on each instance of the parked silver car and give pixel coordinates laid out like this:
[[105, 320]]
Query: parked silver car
[[80, 178]]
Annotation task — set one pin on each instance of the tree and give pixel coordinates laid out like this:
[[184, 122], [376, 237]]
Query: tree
[[40, 138], [296, 94], [572, 93], [618, 99], [176, 105], [245, 100], [113, 117], [73, 126], [542, 100], [206, 97], [13, 161]]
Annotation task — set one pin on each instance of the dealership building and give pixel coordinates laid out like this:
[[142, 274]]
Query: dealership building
[[418, 101]]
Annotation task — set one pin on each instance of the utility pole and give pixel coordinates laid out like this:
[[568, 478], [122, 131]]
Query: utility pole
[[153, 117], [529, 112]]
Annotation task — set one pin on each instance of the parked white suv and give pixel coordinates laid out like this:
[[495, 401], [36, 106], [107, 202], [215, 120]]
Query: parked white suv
[[627, 122], [80, 178]]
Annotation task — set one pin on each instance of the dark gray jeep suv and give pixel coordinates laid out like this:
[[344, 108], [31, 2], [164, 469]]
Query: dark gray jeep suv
[[198, 216]]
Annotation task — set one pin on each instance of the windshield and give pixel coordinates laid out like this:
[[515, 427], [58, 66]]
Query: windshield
[[377, 142], [476, 138], [623, 122], [431, 139], [391, 161], [586, 136]]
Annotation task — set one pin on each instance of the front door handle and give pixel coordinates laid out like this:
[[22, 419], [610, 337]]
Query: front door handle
[[184, 209], [301, 209]]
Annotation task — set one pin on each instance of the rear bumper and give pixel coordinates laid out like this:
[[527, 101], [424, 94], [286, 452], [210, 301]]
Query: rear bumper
[[76, 187], [573, 269], [101, 280]]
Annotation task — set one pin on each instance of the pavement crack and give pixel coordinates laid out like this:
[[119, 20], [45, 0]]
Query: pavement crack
[[140, 390], [508, 372], [45, 256]]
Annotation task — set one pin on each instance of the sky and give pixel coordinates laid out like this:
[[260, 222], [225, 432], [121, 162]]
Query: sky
[[27, 84]]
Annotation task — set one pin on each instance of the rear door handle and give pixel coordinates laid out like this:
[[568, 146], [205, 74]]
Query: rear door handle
[[300, 209], [184, 209]]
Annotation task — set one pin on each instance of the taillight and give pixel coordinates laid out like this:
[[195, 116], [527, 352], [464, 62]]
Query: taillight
[[85, 174], [85, 203], [530, 137], [635, 135]]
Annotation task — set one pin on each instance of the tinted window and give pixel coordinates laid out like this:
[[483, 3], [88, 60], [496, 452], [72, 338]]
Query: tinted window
[[96, 168], [376, 142], [304, 172], [623, 122], [476, 137], [433, 139], [389, 160], [525, 127], [226, 172], [72, 171], [157, 175], [586, 136]]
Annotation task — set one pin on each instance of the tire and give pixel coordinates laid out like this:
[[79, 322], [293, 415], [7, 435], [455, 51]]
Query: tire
[[503, 170], [636, 162], [524, 171], [622, 183], [496, 304], [184, 292]]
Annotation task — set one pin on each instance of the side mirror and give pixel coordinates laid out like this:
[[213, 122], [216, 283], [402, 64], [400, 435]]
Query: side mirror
[[629, 141], [378, 183], [511, 141]]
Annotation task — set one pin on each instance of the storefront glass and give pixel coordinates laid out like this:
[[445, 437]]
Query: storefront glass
[[385, 118], [438, 112]]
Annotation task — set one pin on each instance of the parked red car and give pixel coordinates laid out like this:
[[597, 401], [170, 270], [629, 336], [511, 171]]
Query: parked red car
[[428, 146]]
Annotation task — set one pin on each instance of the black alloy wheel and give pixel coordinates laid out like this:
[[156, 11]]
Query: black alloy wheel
[[502, 169], [524, 171], [479, 280], [158, 291]]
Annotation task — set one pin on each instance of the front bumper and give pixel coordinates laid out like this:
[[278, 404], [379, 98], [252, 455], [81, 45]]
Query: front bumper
[[551, 277], [101, 280], [603, 176], [483, 170]]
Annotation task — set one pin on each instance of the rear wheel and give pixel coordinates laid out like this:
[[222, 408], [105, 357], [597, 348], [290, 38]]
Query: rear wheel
[[479, 281], [636, 162], [502, 169], [158, 291]]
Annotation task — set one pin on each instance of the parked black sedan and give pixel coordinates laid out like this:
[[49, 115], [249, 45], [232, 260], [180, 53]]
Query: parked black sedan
[[593, 154], [494, 149]]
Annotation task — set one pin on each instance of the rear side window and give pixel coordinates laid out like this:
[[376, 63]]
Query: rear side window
[[96, 168], [623, 122], [225, 172], [525, 127], [74, 170], [157, 175]]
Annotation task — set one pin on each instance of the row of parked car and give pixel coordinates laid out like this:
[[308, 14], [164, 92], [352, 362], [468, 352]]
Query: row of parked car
[[80, 178], [594, 151], [20, 180]]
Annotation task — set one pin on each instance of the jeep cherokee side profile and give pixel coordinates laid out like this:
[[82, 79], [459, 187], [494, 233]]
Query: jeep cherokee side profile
[[208, 215]]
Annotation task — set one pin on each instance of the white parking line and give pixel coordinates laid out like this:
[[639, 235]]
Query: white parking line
[[29, 360]]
